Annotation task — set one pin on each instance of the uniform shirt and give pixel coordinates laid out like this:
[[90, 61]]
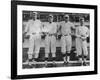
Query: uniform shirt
[[82, 31], [66, 27], [51, 28], [33, 26]]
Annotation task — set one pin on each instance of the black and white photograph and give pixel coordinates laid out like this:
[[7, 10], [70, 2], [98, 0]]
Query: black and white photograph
[[53, 40]]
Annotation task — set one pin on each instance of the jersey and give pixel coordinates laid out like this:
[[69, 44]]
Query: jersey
[[82, 31], [33, 26], [51, 28], [66, 27]]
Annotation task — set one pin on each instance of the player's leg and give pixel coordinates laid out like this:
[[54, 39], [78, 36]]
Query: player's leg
[[79, 49], [68, 46], [63, 48], [85, 51], [30, 51], [53, 48], [37, 46], [47, 49]]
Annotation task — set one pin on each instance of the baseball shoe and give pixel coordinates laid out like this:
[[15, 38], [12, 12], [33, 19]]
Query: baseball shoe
[[84, 64], [54, 64], [65, 63]]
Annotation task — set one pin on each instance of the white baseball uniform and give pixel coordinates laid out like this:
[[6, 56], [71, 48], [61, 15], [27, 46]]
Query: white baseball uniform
[[50, 39], [81, 44], [33, 29], [66, 39]]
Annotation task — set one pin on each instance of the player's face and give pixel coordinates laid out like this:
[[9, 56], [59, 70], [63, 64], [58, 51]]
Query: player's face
[[66, 19], [35, 16], [50, 19], [82, 22]]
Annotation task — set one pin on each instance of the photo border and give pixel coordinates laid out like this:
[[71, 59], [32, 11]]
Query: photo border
[[14, 38]]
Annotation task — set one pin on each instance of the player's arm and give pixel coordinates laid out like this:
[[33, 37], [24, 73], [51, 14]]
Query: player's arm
[[73, 29], [56, 29], [59, 29], [41, 28], [26, 31], [73, 26], [26, 28], [44, 30], [77, 33], [86, 35]]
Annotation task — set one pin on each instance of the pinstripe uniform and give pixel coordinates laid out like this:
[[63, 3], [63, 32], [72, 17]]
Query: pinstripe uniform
[[82, 33]]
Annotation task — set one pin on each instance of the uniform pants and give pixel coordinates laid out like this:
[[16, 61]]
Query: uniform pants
[[34, 45], [81, 46], [66, 44], [50, 42]]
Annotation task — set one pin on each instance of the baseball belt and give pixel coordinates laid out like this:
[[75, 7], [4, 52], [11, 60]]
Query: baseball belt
[[52, 34], [33, 33], [66, 35]]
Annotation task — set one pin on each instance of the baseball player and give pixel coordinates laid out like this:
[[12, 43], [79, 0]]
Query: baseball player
[[50, 39], [82, 32], [33, 30], [66, 39]]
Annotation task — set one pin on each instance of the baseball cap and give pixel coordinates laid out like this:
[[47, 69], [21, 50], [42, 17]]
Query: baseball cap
[[66, 16], [50, 15], [81, 18], [35, 13]]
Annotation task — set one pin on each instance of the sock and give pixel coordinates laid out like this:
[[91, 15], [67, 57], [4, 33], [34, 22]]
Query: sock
[[80, 57], [35, 59], [30, 60], [54, 58], [85, 57], [64, 55], [46, 59], [64, 59], [68, 58], [68, 54]]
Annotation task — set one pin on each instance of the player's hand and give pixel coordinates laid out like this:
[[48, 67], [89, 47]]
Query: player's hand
[[41, 33], [71, 34], [44, 33], [43, 36], [59, 36], [77, 36], [83, 38], [27, 35]]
